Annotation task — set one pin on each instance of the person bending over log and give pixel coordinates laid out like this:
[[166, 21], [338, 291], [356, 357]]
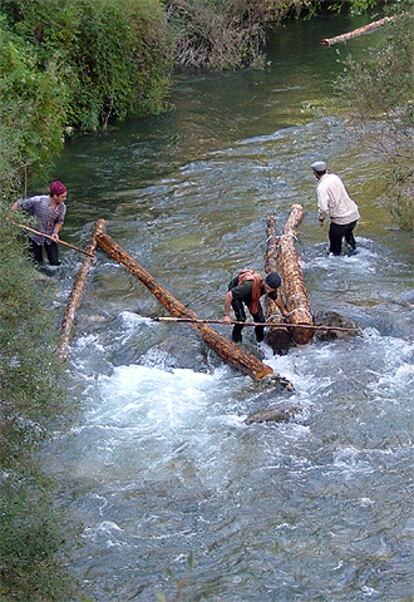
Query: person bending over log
[[49, 210], [334, 202], [246, 289]]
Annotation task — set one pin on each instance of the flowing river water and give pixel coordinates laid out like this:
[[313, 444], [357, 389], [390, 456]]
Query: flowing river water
[[159, 464]]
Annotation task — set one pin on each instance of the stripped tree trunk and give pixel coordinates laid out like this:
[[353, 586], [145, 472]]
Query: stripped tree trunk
[[75, 296], [232, 354], [357, 32], [297, 302], [278, 339]]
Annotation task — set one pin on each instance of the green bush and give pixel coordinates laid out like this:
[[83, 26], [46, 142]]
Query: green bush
[[378, 94], [32, 542], [33, 104], [115, 57]]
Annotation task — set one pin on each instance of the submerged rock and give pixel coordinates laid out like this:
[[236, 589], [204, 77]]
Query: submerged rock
[[333, 319], [177, 351], [277, 414]]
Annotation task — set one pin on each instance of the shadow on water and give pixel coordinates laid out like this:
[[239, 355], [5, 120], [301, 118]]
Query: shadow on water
[[160, 463]]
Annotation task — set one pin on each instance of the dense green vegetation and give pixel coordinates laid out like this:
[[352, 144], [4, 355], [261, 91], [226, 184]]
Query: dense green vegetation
[[32, 539], [379, 94]]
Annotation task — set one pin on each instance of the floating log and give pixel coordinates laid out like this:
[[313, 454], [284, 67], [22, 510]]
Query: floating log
[[296, 295], [357, 32], [232, 354], [75, 296], [277, 338]]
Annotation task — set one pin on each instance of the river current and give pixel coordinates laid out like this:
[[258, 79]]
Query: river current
[[159, 464]]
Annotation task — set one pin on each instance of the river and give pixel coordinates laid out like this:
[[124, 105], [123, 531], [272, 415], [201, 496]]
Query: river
[[158, 464]]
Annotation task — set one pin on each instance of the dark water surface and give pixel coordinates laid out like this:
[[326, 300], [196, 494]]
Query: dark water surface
[[159, 463]]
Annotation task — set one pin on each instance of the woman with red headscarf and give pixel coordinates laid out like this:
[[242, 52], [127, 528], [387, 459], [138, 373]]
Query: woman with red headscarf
[[49, 211]]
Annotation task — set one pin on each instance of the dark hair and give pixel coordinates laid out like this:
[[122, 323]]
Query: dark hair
[[273, 280]]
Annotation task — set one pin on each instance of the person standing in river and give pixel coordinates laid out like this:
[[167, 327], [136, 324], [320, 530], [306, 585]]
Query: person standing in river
[[335, 203], [49, 210], [246, 289]]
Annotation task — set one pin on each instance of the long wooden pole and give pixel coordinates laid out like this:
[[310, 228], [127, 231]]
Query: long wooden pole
[[59, 241], [270, 324], [234, 355], [75, 297], [357, 32], [278, 338], [296, 295]]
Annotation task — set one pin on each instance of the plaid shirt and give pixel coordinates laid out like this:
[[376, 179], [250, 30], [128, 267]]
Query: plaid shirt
[[47, 217]]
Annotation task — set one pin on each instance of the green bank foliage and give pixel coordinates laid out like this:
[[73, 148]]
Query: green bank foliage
[[379, 95], [112, 58], [31, 533]]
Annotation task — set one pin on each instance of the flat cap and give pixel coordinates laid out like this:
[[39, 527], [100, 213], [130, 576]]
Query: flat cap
[[319, 166]]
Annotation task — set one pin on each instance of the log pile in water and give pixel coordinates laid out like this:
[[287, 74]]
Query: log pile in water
[[231, 353], [277, 338], [75, 296], [288, 264]]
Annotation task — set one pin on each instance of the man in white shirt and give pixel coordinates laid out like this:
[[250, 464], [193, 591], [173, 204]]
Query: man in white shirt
[[335, 203]]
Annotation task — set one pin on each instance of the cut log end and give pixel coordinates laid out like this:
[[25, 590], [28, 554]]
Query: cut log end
[[302, 336]]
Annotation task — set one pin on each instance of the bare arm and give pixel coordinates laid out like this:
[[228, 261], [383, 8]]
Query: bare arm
[[281, 306], [228, 298], [56, 230], [15, 206]]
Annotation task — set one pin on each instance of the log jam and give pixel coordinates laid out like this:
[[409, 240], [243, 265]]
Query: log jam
[[232, 354]]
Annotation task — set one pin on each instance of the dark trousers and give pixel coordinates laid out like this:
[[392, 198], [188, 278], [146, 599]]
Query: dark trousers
[[240, 314], [337, 233], [52, 252]]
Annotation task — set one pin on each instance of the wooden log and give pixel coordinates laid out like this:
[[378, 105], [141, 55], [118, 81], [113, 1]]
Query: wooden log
[[357, 32], [296, 295], [277, 338], [75, 296], [232, 354]]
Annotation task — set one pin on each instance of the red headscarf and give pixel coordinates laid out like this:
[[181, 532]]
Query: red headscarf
[[57, 188]]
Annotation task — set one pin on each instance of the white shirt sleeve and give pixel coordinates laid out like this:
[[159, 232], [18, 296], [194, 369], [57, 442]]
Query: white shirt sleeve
[[323, 199]]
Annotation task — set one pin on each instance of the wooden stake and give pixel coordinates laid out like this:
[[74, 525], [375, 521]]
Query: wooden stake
[[59, 242], [357, 32], [270, 324], [232, 354], [75, 297]]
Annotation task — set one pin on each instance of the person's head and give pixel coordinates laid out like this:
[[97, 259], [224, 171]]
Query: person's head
[[272, 283], [319, 169], [58, 191]]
